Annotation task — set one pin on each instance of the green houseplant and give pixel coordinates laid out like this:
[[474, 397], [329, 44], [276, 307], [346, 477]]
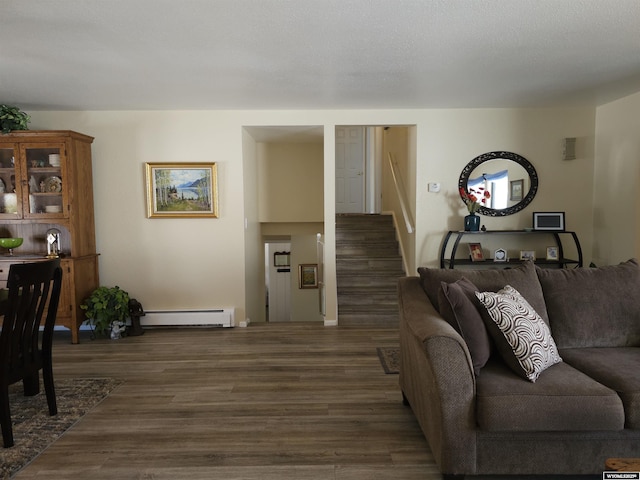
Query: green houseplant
[[105, 306], [12, 118]]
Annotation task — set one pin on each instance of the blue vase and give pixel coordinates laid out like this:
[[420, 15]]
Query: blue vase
[[471, 223]]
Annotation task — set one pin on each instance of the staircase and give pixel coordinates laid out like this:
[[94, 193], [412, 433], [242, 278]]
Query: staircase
[[368, 265]]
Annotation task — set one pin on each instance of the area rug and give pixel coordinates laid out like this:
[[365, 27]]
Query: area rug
[[390, 359], [34, 430]]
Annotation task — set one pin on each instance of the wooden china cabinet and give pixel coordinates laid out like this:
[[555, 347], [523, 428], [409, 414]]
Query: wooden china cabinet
[[46, 183]]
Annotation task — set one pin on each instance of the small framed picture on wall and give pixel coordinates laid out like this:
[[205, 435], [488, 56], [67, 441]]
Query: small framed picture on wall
[[515, 190], [308, 275]]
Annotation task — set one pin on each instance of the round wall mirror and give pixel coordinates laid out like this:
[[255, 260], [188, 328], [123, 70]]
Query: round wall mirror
[[510, 179]]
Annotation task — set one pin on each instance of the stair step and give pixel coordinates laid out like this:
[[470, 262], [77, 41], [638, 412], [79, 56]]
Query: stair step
[[368, 265], [371, 302], [363, 219], [365, 236], [367, 281], [372, 243], [363, 250], [362, 296], [368, 290]]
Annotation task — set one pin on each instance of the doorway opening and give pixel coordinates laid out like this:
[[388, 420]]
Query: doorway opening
[[358, 169]]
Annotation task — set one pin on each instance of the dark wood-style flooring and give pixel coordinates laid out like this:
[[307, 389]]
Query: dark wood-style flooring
[[268, 402]]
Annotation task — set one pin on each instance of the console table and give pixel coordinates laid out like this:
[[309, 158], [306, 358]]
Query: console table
[[451, 261]]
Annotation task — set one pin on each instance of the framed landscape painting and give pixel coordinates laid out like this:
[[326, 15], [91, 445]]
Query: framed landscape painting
[[182, 190]]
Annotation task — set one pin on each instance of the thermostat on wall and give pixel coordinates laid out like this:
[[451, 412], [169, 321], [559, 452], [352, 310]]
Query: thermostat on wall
[[434, 187]]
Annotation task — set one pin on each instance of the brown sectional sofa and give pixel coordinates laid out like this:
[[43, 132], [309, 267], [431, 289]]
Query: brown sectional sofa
[[578, 412]]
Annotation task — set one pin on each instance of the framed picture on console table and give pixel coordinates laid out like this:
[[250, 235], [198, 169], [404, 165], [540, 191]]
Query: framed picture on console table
[[475, 250], [500, 255], [182, 190], [527, 255]]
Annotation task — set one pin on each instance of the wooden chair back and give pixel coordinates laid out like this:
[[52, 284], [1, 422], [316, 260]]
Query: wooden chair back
[[34, 294]]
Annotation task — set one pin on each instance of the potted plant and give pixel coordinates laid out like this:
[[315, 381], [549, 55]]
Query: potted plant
[[107, 310], [12, 118]]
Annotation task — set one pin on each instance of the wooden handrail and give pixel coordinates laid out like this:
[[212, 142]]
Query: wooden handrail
[[402, 194]]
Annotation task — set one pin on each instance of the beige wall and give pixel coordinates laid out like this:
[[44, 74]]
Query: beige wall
[[617, 203], [193, 263], [290, 204], [449, 139], [401, 143], [291, 185], [254, 271], [304, 301]]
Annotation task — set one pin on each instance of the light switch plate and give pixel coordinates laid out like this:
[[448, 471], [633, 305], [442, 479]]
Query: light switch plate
[[434, 187]]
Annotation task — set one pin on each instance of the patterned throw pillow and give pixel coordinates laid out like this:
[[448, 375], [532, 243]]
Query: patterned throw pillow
[[523, 338]]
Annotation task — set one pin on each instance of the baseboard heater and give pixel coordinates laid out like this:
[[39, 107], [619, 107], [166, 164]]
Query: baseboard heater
[[222, 317]]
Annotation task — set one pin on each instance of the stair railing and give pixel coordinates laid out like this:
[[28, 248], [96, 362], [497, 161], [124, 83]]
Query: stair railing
[[401, 193]]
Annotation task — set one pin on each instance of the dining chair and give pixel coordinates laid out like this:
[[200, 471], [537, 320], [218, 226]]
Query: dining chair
[[34, 291]]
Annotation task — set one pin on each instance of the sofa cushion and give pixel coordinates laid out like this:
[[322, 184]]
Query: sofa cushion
[[563, 399], [523, 278], [458, 305], [618, 368], [593, 307], [523, 339]]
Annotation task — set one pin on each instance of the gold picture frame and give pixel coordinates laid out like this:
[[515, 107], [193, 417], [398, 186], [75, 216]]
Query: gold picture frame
[[182, 190], [553, 253], [308, 275]]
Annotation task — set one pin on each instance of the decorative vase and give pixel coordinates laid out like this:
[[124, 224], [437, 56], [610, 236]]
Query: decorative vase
[[472, 223]]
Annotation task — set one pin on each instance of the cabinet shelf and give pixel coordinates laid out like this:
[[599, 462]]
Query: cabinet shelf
[[451, 261]]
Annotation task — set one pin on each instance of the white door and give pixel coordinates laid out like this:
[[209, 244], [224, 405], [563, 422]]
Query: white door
[[350, 161], [278, 285]]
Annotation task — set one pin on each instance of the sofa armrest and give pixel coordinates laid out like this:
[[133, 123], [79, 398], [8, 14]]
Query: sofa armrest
[[436, 378]]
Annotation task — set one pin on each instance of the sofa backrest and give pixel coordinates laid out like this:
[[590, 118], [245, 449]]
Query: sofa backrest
[[523, 278], [593, 307]]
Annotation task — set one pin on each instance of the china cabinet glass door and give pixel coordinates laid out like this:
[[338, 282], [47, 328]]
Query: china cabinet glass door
[[44, 177], [9, 205]]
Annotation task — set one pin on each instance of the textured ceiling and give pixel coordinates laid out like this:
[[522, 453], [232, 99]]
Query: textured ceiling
[[316, 54]]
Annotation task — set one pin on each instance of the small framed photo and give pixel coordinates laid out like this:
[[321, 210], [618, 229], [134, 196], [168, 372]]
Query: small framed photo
[[515, 190], [552, 253], [475, 250], [553, 221], [527, 255], [281, 259], [308, 275], [500, 255]]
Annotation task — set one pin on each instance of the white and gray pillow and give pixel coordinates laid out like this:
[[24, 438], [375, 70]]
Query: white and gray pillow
[[522, 337]]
